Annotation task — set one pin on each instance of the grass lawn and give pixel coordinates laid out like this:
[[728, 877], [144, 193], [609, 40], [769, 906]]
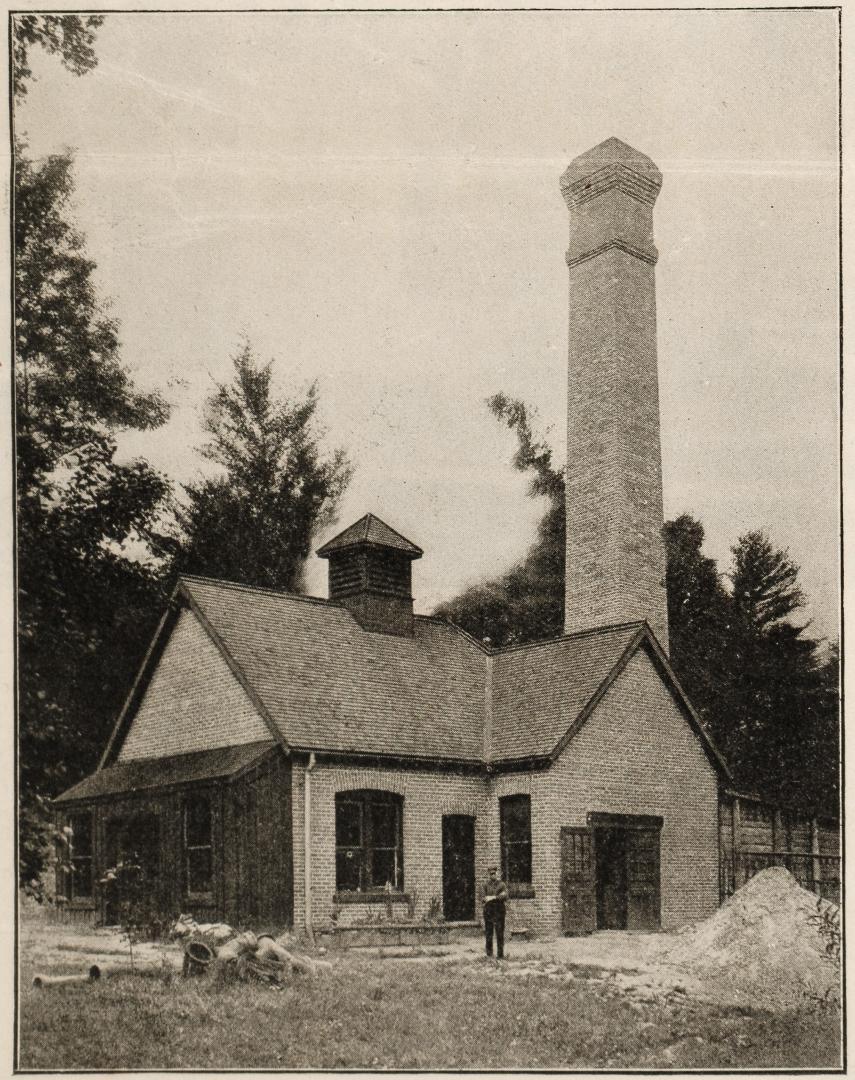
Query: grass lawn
[[370, 1013]]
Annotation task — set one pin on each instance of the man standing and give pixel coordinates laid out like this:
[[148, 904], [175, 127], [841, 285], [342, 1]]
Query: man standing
[[495, 895]]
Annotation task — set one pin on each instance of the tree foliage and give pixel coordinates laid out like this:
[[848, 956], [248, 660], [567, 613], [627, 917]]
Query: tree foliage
[[85, 607], [527, 602], [70, 37], [255, 521], [758, 680]]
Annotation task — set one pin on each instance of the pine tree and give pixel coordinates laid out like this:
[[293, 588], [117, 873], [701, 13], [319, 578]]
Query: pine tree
[[254, 523], [781, 706]]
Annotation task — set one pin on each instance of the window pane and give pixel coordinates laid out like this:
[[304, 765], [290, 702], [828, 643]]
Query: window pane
[[348, 823], [82, 877], [519, 863], [199, 870], [198, 821], [382, 868], [347, 866], [516, 818], [81, 825], [384, 824]]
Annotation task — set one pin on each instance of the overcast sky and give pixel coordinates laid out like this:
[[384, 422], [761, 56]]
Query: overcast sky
[[373, 199]]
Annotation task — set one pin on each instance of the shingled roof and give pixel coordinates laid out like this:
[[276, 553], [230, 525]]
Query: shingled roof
[[370, 530], [327, 684], [147, 773], [324, 683], [540, 690]]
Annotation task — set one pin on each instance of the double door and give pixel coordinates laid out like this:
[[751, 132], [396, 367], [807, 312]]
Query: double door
[[610, 874]]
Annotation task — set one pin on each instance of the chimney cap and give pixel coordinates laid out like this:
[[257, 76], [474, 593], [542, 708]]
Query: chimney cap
[[370, 531], [607, 154]]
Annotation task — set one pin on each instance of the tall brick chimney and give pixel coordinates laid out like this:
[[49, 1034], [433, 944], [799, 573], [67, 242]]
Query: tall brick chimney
[[615, 555]]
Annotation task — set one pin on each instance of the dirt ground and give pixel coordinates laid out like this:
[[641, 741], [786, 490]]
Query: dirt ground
[[762, 948]]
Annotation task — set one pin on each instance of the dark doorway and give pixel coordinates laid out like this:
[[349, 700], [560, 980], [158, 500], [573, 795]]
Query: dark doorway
[[135, 840], [626, 858], [578, 912], [611, 848], [458, 867], [610, 874]]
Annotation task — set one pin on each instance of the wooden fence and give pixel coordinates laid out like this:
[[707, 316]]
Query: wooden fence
[[755, 835]]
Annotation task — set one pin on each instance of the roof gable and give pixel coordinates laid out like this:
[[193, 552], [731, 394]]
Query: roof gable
[[318, 681], [545, 698], [191, 699], [328, 684]]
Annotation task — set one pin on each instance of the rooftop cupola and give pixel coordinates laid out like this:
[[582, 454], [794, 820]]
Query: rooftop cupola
[[371, 575]]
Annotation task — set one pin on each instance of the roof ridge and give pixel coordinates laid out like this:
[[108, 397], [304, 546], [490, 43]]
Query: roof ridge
[[243, 587], [608, 629]]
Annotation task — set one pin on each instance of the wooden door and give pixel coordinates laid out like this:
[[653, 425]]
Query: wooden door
[[458, 867], [577, 882], [643, 879], [612, 851]]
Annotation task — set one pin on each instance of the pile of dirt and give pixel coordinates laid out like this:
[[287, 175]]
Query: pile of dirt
[[771, 945]]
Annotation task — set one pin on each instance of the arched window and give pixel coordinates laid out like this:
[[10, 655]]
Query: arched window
[[369, 849]]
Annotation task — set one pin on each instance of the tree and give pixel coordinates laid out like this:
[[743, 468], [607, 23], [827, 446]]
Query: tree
[[757, 681], [254, 523], [699, 620], [85, 607], [526, 603], [70, 37], [781, 706]]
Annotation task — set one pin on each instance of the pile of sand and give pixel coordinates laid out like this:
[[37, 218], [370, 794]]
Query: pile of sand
[[764, 947]]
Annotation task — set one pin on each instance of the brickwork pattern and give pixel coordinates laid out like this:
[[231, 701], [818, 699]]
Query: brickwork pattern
[[427, 796], [193, 701], [615, 555], [635, 755]]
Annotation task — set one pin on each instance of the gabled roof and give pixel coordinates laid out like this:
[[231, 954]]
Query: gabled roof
[[321, 682], [370, 530], [539, 690], [147, 773], [543, 694], [327, 684]]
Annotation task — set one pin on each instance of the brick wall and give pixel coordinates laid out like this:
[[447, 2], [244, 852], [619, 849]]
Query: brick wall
[[635, 755], [427, 796], [615, 558], [193, 701]]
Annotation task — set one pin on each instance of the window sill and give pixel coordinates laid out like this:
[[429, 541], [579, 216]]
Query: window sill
[[519, 891], [374, 897]]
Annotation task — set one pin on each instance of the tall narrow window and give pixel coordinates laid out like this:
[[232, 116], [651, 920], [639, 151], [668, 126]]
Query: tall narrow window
[[79, 877], [368, 841], [515, 819], [198, 844]]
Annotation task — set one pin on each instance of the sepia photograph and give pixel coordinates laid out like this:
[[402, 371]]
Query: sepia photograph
[[426, 451]]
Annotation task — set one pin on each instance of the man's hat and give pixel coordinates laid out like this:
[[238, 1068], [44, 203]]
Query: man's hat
[[490, 869]]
